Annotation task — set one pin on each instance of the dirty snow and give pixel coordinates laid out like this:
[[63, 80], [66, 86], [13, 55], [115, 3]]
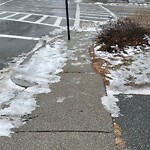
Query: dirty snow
[[129, 74], [20, 83]]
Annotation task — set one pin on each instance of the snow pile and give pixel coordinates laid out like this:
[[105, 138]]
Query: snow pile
[[129, 74], [50, 61], [110, 105], [33, 77]]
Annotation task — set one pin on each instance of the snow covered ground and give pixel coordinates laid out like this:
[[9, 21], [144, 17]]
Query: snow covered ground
[[129, 74]]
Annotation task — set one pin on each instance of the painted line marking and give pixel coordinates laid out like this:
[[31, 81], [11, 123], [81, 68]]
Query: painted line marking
[[25, 17], [42, 19], [96, 15], [77, 17], [5, 2], [2, 12], [109, 12], [9, 16], [101, 22], [19, 37], [25, 13], [102, 12], [58, 21], [45, 24], [90, 17]]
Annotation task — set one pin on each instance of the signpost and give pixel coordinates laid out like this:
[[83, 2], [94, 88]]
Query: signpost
[[67, 18]]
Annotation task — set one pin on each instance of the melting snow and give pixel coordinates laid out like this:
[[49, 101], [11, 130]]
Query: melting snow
[[129, 74], [33, 77], [109, 103]]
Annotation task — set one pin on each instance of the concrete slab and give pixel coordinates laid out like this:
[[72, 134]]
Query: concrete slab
[[58, 141], [80, 64], [73, 105], [24, 29], [79, 59]]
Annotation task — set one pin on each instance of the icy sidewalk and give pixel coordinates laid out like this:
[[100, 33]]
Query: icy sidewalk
[[71, 116]]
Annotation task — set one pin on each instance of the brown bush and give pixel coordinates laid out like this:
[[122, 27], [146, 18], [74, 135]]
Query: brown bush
[[119, 34]]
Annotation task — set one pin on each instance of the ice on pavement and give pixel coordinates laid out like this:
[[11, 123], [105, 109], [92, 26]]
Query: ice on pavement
[[32, 77], [129, 74]]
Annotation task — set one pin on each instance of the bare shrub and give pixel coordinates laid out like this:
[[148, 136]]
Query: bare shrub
[[119, 34]]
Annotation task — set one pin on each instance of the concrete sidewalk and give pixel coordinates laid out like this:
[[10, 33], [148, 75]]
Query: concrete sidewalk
[[71, 117]]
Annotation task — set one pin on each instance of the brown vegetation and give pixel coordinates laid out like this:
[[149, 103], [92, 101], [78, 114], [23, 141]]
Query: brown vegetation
[[117, 35], [122, 33], [143, 18]]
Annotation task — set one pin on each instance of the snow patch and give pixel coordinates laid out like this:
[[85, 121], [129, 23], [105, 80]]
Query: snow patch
[[129, 74], [33, 77], [110, 104], [60, 99], [5, 126]]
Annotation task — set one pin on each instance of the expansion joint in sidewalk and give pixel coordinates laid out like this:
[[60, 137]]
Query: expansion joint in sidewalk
[[67, 72], [65, 131]]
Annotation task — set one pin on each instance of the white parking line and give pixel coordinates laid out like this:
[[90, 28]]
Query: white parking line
[[2, 12], [93, 18], [9, 16], [115, 17], [87, 12], [24, 17], [5, 2], [19, 37], [77, 17], [41, 19], [34, 14], [58, 21], [97, 15], [45, 24]]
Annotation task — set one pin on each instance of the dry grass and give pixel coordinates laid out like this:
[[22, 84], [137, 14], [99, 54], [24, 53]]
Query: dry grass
[[143, 18]]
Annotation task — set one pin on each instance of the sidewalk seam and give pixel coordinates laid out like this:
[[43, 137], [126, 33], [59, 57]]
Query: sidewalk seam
[[66, 131]]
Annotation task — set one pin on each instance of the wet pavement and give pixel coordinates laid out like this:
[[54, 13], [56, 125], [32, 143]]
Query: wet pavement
[[24, 19], [23, 29], [9, 49], [18, 18], [47, 7]]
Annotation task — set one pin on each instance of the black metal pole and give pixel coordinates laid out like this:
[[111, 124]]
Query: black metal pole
[[67, 18]]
